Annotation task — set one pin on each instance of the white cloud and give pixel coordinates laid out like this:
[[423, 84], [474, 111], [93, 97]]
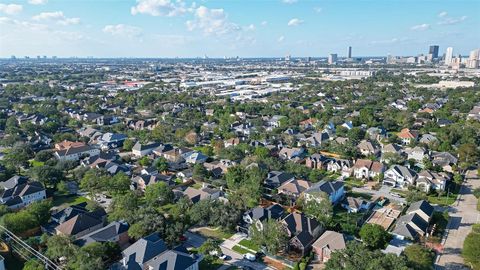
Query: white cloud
[[56, 16], [294, 22], [10, 9], [123, 30], [264, 23], [211, 21], [250, 27], [442, 14], [450, 21], [289, 1], [167, 8], [24, 24], [37, 2], [281, 39], [317, 9], [420, 27], [391, 41]]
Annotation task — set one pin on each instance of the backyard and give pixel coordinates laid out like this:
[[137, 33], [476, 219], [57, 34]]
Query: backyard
[[67, 200], [344, 221], [216, 233]]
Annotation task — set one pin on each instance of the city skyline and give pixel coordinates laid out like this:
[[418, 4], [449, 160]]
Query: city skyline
[[169, 29]]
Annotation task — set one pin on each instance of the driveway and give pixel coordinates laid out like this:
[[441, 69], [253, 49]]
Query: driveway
[[238, 260], [384, 191], [463, 214]]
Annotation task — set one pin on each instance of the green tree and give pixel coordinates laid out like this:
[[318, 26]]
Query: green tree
[[374, 236], [94, 181], [245, 186], [419, 257], [321, 209], [118, 184], [40, 211], [137, 230], [471, 248], [199, 172], [18, 156], [123, 207], [262, 152], [468, 155], [161, 165], [415, 196], [89, 257], [44, 155], [128, 145], [357, 257], [209, 246], [145, 161], [59, 246], [159, 194], [47, 175], [272, 235], [33, 264], [19, 222], [4, 210]]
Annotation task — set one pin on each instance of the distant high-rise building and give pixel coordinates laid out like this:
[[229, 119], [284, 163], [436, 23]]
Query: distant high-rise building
[[449, 56], [287, 57], [332, 59], [433, 51], [390, 59], [13, 57], [474, 59], [349, 51]]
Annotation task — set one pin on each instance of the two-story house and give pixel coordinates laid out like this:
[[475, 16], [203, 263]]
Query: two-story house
[[17, 192]]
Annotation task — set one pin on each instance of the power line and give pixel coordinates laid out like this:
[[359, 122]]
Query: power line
[[21, 245]]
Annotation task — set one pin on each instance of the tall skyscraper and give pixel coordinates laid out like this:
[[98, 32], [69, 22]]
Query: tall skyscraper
[[449, 56], [474, 59], [349, 51], [434, 51], [332, 59]]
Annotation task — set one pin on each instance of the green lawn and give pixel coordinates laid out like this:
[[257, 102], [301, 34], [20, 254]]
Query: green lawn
[[35, 163], [359, 195], [352, 182], [68, 200], [197, 186], [400, 192], [240, 250], [445, 200], [215, 233], [249, 244], [442, 200], [210, 262]]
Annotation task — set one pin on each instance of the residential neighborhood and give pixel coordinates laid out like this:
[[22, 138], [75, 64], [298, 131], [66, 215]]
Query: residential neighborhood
[[209, 164]]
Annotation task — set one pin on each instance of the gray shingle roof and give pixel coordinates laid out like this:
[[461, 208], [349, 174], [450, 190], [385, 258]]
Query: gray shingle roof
[[145, 249]]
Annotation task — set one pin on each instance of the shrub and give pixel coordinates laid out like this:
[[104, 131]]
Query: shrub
[[476, 192]]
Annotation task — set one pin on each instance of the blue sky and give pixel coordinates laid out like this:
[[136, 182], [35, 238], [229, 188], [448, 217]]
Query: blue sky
[[245, 28]]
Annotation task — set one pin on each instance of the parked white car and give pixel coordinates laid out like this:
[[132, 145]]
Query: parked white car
[[250, 257]]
